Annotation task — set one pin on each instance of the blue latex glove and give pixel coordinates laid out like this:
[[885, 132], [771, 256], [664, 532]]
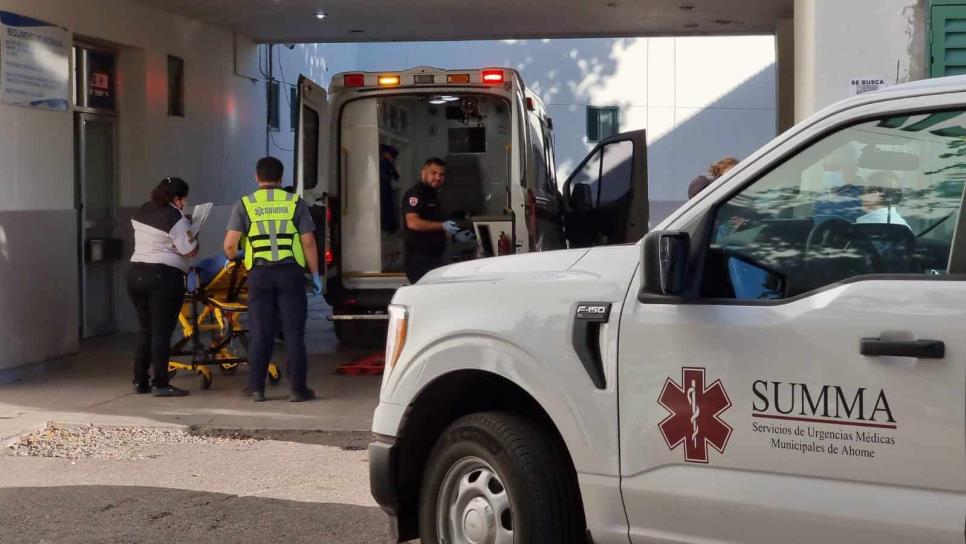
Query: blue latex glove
[[451, 227], [465, 236], [316, 284]]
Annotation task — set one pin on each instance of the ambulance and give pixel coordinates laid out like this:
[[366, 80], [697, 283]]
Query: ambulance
[[497, 141]]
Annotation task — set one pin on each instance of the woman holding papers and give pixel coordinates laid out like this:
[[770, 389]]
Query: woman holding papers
[[164, 240]]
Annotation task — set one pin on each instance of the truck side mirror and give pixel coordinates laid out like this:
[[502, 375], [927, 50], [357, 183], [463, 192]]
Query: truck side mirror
[[664, 263]]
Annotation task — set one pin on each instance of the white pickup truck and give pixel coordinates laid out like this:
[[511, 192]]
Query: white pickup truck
[[782, 360]]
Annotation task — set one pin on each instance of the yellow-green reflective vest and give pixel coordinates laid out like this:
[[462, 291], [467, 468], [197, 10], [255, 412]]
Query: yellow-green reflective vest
[[272, 235]]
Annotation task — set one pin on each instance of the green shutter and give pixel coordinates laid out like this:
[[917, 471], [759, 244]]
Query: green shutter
[[948, 48]]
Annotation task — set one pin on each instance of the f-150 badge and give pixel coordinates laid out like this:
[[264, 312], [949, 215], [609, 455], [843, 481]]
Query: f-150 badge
[[695, 415]]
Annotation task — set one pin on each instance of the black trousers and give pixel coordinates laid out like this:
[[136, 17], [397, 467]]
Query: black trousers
[[276, 294], [157, 292], [418, 264]]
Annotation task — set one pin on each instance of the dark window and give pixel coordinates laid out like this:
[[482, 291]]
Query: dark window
[[880, 197], [605, 179], [583, 186], [602, 122], [467, 140], [551, 158], [310, 147], [272, 95], [616, 172], [175, 86], [538, 150]]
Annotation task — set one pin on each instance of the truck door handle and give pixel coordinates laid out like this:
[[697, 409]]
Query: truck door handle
[[920, 349]]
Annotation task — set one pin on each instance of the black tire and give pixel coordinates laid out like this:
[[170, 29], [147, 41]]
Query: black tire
[[530, 465], [362, 333]]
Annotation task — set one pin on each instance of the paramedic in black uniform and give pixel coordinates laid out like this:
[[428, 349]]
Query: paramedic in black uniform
[[425, 230]]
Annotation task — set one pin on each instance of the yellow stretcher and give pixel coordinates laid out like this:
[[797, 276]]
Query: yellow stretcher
[[213, 333]]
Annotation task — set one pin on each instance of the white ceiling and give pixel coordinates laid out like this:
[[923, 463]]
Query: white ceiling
[[293, 21]]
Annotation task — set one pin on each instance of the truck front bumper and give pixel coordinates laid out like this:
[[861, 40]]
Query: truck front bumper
[[383, 476]]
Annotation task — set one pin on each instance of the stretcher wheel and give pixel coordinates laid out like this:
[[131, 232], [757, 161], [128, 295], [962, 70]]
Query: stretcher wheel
[[205, 375], [228, 369], [274, 376]]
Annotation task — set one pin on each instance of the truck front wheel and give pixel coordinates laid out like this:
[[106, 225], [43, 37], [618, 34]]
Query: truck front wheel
[[496, 477]]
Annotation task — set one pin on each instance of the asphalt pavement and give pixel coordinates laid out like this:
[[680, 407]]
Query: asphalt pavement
[[262, 472]]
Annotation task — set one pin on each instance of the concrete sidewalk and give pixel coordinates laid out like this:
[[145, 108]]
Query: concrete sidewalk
[[94, 387]]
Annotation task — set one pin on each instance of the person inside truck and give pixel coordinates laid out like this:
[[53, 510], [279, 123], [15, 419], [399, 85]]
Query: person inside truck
[[841, 185], [880, 198], [424, 229]]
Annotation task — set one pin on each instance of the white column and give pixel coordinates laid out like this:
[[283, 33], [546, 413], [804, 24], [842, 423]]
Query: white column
[[839, 41]]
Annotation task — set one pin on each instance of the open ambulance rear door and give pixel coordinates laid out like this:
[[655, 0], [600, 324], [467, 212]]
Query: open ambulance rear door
[[311, 173], [312, 142]]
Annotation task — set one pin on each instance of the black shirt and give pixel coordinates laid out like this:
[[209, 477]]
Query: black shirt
[[423, 200]]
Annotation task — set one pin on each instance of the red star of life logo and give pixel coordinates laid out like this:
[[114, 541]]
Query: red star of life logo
[[695, 410]]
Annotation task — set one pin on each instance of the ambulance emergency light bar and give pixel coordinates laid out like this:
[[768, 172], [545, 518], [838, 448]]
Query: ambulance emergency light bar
[[488, 77]]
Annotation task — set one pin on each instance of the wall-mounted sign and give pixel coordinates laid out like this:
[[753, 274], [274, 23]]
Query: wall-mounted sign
[[865, 84], [34, 63]]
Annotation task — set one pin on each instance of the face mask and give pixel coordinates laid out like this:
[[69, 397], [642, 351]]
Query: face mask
[[831, 180]]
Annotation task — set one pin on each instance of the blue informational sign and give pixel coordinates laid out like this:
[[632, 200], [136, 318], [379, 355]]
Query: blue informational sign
[[34, 63]]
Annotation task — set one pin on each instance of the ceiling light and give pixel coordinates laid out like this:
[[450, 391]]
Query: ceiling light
[[449, 98], [320, 15], [437, 101]]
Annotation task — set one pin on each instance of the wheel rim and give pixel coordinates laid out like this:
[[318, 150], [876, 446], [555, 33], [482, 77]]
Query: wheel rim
[[473, 506]]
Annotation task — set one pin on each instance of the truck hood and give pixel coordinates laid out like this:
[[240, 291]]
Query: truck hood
[[531, 265]]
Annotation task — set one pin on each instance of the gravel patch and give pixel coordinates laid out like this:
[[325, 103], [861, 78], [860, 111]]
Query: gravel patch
[[345, 440], [92, 442]]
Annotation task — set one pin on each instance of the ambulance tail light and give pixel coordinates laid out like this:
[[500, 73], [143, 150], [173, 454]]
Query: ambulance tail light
[[388, 80], [353, 80], [458, 78], [327, 254], [493, 77]]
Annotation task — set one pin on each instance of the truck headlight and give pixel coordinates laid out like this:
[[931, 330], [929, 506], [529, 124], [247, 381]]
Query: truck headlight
[[396, 337]]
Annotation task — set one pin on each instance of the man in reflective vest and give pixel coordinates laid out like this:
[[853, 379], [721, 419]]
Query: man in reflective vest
[[278, 237]]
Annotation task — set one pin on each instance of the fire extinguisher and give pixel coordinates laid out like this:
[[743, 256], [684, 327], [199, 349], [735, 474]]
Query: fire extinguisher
[[503, 244]]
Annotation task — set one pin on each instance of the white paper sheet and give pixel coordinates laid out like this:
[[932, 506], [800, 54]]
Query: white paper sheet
[[199, 215]]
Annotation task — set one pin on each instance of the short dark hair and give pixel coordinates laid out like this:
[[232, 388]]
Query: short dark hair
[[434, 161], [168, 190], [269, 169]]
